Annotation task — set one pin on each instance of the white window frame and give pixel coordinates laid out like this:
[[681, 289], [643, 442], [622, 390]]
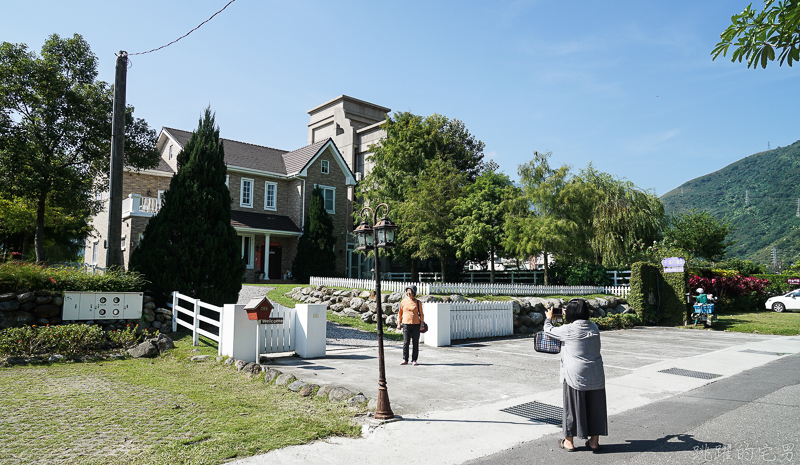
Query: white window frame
[[122, 242], [325, 167], [274, 205], [95, 251], [251, 260], [242, 203], [333, 193], [170, 151]]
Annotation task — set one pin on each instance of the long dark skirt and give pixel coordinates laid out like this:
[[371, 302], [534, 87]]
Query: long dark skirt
[[585, 413]]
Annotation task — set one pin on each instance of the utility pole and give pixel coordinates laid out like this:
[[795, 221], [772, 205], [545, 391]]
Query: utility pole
[[746, 197], [798, 209], [114, 252]]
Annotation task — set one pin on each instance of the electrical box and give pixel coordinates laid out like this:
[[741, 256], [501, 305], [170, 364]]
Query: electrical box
[[102, 305]]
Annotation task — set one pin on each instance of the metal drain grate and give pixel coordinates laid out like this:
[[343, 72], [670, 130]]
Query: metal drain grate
[[763, 352], [537, 411], [690, 373]]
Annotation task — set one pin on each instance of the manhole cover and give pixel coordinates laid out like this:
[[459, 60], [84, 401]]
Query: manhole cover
[[537, 411], [690, 373], [763, 352]]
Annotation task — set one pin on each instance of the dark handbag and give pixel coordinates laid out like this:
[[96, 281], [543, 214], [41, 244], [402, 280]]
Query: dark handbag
[[423, 328], [546, 344]]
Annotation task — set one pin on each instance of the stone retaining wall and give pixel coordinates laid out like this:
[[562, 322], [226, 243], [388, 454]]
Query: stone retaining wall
[[27, 308], [357, 303]]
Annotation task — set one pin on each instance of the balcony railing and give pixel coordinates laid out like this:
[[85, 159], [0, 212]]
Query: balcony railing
[[136, 205]]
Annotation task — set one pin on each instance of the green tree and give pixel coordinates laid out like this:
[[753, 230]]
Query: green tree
[[756, 35], [478, 230], [700, 234], [65, 229], [55, 128], [315, 255], [398, 159], [190, 245], [427, 215]]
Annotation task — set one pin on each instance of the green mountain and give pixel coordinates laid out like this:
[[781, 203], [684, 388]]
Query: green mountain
[[759, 195]]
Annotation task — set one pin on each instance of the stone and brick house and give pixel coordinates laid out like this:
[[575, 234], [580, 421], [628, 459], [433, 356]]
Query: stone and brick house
[[270, 190]]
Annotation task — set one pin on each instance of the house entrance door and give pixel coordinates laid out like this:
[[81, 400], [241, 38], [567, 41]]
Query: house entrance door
[[275, 262]]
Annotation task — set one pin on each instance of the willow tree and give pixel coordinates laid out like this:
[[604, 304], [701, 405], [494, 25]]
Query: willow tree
[[615, 214]]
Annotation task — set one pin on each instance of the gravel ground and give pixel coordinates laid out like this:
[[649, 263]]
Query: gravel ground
[[338, 336]]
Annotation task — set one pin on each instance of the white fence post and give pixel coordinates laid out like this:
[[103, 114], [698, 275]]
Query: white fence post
[[437, 316], [237, 335], [174, 311], [195, 334], [310, 330]]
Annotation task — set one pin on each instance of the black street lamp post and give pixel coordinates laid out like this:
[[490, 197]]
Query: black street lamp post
[[376, 237]]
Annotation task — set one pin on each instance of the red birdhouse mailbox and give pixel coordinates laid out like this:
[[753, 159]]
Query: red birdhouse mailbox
[[258, 309]]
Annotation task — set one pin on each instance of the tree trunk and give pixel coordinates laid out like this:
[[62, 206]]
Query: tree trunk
[[414, 271], [491, 264], [39, 237], [546, 266], [443, 264]]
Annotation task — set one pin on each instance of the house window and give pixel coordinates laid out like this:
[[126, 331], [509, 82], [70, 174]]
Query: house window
[[95, 247], [329, 197], [122, 243], [170, 151], [326, 168], [248, 251], [270, 194], [246, 193]]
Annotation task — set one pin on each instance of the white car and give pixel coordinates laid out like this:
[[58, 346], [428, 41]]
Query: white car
[[781, 303]]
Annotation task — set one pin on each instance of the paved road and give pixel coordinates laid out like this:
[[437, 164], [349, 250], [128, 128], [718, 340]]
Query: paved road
[[752, 418], [453, 403]]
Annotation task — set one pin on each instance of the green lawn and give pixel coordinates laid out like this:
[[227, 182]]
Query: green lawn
[[162, 410], [764, 322]]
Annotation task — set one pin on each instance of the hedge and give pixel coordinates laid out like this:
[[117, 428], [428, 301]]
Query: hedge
[[16, 275]]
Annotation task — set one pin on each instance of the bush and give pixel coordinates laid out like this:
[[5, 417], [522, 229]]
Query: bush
[[69, 340], [617, 321], [776, 283], [23, 275]]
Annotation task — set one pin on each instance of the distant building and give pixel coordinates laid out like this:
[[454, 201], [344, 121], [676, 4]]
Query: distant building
[[270, 190]]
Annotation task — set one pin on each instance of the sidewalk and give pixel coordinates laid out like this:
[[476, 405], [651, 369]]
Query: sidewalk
[[452, 402]]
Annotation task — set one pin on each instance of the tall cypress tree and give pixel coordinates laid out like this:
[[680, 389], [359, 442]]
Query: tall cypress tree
[[190, 245], [315, 254]]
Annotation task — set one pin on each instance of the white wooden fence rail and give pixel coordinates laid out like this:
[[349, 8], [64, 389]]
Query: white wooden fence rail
[[481, 319], [619, 291], [193, 312], [276, 338]]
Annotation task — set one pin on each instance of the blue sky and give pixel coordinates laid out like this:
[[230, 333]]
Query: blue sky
[[627, 85]]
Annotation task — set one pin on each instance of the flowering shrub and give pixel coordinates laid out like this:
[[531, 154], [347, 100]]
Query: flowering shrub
[[69, 340], [729, 286]]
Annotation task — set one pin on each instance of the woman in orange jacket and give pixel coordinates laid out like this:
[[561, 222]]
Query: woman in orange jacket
[[410, 318]]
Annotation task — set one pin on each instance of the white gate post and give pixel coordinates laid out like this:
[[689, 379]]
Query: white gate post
[[237, 336], [437, 315], [310, 330]]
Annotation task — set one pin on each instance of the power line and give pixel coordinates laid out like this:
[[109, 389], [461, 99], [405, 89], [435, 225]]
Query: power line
[[181, 37]]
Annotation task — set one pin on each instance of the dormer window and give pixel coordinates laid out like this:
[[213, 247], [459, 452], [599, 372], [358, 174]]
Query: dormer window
[[326, 167]]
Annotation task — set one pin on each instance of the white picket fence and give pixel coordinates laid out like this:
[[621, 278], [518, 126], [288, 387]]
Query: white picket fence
[[274, 338], [193, 311], [481, 319], [422, 288], [619, 291]]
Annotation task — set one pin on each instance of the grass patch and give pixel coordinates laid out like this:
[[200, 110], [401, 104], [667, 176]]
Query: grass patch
[[162, 410], [780, 324]]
